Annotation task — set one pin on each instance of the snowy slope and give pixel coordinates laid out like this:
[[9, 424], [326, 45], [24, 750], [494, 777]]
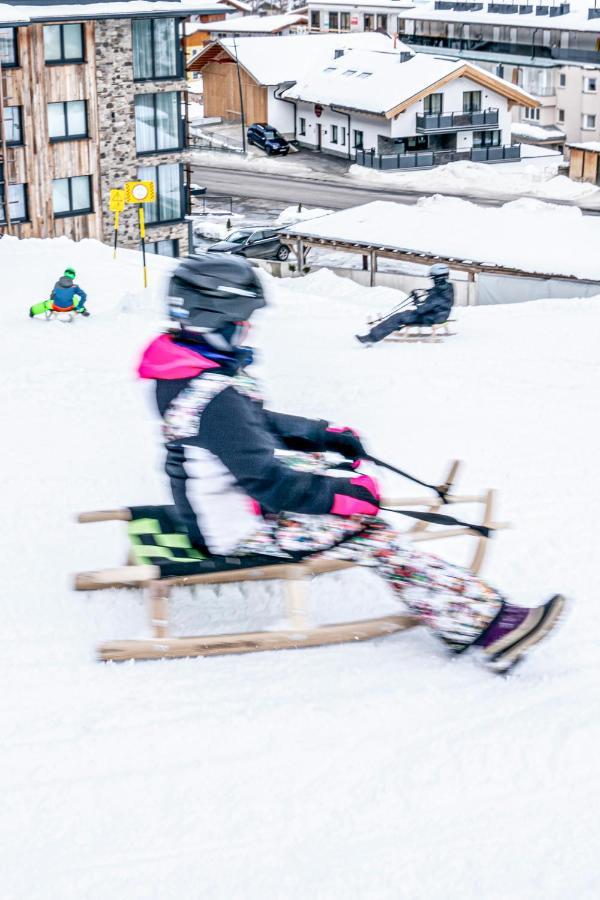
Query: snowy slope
[[383, 770]]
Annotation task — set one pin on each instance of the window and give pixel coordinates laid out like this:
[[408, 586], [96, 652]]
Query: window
[[358, 139], [168, 181], [369, 21], [562, 80], [334, 134], [532, 114], [72, 196], [13, 133], [344, 21], [350, 72], [590, 85], [168, 247], [560, 115], [588, 122], [158, 123], [382, 23], [67, 121], [302, 125], [63, 43], [315, 20], [17, 202], [156, 50], [8, 46], [433, 104], [365, 74], [471, 101], [333, 21], [343, 135], [486, 138]]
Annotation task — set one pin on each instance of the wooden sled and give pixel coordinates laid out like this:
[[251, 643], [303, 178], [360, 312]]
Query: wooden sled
[[299, 633], [425, 334]]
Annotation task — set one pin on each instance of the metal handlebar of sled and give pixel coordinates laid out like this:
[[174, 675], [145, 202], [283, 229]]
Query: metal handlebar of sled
[[299, 632]]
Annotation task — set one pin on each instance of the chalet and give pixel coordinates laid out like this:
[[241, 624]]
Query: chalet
[[399, 109], [259, 26], [266, 67], [197, 32], [89, 100], [584, 162]]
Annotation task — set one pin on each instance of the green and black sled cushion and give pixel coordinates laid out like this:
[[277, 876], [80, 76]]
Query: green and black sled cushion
[[157, 538]]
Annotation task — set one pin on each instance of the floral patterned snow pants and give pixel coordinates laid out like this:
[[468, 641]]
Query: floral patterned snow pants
[[453, 602]]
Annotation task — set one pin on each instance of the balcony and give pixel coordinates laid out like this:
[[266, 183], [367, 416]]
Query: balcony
[[427, 159], [456, 121]]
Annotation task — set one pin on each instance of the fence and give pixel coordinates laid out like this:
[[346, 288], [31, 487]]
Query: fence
[[426, 159]]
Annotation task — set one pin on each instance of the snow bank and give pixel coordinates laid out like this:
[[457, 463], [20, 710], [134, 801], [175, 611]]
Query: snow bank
[[524, 234], [385, 770], [483, 179], [290, 214]]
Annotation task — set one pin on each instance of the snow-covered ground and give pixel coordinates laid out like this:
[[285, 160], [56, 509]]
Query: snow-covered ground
[[384, 770]]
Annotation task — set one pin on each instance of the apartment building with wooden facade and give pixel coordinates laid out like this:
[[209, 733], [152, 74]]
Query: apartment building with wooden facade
[[88, 103]]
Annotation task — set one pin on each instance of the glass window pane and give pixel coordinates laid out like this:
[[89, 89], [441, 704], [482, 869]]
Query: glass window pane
[[73, 41], [148, 173], [145, 134], [56, 120], [12, 124], [165, 48], [7, 46], [16, 202], [52, 43], [60, 195], [142, 48], [168, 247], [169, 192], [76, 119], [80, 190], [167, 120]]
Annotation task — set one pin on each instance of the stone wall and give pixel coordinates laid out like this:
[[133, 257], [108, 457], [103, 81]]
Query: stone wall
[[118, 160]]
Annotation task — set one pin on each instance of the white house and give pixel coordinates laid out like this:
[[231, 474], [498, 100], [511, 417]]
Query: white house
[[396, 109], [362, 15], [257, 26]]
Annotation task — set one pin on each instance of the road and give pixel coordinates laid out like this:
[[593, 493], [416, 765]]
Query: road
[[324, 192], [322, 189]]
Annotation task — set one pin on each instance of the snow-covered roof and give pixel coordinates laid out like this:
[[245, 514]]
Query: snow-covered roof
[[528, 235], [358, 5], [575, 20], [592, 146], [380, 82], [256, 24], [275, 60], [537, 132], [20, 13]]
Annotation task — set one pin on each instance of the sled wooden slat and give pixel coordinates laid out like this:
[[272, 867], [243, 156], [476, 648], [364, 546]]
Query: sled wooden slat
[[253, 642], [429, 502], [105, 515]]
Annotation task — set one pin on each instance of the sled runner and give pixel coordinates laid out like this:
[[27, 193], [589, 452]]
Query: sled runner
[[426, 334], [161, 557]]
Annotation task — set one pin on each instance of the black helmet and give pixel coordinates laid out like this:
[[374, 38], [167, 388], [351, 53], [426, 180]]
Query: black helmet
[[211, 292], [439, 270]]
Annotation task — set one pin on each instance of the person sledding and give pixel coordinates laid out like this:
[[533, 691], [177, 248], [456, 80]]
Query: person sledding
[[235, 494], [66, 297], [429, 308]]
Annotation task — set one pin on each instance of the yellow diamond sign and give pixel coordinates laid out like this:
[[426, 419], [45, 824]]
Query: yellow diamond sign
[[139, 191], [117, 200]]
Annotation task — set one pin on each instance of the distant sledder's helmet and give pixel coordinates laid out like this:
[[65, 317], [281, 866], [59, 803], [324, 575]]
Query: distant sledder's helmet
[[439, 272], [211, 299]]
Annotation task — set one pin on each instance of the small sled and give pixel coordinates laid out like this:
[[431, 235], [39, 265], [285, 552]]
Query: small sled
[[160, 559], [425, 334]]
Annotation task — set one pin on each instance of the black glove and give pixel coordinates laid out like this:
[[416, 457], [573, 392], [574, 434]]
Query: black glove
[[346, 442]]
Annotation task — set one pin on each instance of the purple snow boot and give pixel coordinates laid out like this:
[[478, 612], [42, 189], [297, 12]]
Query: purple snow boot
[[515, 630]]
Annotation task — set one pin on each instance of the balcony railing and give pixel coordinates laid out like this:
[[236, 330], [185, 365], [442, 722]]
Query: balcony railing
[[486, 46], [427, 159], [457, 121]]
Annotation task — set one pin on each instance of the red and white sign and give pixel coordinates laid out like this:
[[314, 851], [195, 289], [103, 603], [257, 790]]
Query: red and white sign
[[318, 111], [354, 20]]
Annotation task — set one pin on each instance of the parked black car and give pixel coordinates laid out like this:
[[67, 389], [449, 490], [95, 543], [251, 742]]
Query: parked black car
[[268, 139], [257, 243], [196, 190]]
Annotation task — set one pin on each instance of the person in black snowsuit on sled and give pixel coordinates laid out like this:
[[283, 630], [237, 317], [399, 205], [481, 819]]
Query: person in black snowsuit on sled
[[432, 309], [246, 482]]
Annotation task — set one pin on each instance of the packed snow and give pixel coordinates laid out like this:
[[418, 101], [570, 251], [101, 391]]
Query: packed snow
[[384, 770]]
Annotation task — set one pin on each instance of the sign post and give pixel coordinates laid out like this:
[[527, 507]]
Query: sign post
[[116, 205], [141, 192]]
